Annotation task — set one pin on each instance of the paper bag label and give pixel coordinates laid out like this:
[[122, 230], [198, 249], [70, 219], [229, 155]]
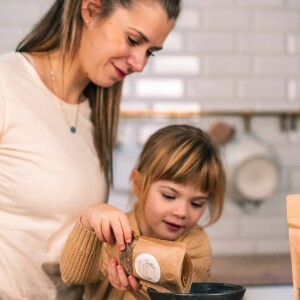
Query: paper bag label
[[147, 267]]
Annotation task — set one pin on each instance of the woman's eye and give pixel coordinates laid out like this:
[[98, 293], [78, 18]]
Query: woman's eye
[[150, 53], [132, 42], [168, 197]]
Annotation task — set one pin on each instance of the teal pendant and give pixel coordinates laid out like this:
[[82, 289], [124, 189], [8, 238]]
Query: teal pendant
[[73, 129]]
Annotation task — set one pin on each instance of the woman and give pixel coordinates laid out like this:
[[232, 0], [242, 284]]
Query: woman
[[178, 174], [59, 103]]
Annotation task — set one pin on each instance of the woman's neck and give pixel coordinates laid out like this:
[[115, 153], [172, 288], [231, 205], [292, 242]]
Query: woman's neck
[[66, 81]]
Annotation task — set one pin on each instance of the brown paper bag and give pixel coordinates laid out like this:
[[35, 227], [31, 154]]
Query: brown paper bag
[[162, 265], [293, 218]]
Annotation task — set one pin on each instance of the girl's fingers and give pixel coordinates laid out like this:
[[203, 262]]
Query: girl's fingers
[[123, 278], [109, 223], [119, 279], [126, 229], [118, 233], [107, 232], [112, 273], [136, 286], [98, 232]]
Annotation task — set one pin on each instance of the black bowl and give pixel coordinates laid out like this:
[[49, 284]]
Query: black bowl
[[204, 291]]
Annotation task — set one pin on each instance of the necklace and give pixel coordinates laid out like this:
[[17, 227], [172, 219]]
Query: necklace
[[73, 128]]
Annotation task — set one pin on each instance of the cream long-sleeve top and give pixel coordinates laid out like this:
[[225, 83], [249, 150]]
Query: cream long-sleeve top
[[48, 176], [84, 260]]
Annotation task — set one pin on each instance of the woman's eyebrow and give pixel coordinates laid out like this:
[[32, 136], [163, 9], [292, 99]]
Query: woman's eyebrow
[[145, 39], [141, 34]]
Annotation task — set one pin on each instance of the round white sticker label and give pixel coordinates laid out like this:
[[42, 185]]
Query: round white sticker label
[[147, 267]]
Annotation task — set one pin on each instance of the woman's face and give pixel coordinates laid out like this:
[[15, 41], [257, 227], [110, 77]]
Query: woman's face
[[122, 43], [171, 209]]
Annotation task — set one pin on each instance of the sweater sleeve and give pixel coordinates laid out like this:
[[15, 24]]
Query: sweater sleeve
[[80, 257], [199, 249]]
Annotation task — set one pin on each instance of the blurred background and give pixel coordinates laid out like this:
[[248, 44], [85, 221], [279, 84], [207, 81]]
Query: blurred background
[[229, 62]]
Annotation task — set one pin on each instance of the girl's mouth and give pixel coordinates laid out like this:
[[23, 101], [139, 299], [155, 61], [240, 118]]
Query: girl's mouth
[[172, 226]]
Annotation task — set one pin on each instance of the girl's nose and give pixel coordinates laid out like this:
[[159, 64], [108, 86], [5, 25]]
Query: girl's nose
[[180, 211], [137, 61]]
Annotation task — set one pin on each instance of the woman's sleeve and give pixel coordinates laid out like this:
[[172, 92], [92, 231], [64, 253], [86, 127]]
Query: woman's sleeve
[[2, 106], [81, 257], [199, 249]]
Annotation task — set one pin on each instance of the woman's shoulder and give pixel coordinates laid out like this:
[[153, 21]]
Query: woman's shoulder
[[14, 67], [12, 62], [10, 59]]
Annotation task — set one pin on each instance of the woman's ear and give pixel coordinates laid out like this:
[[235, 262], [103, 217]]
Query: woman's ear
[[136, 181], [89, 9]]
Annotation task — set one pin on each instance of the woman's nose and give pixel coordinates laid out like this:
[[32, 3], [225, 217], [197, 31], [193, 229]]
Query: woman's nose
[[137, 61]]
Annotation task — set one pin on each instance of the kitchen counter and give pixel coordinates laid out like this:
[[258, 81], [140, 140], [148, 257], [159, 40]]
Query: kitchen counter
[[252, 270], [278, 292]]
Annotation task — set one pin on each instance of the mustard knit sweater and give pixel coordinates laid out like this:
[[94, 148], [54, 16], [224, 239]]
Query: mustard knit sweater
[[84, 261]]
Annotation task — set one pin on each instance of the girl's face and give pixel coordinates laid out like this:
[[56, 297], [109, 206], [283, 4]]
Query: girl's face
[[171, 209], [122, 43]]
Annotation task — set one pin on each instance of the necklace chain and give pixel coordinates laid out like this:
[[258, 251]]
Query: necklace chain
[[73, 129]]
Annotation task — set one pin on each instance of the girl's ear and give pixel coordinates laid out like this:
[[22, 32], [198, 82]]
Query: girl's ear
[[136, 181], [89, 9]]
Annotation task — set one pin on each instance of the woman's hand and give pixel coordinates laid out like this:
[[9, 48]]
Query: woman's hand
[[109, 223], [119, 279]]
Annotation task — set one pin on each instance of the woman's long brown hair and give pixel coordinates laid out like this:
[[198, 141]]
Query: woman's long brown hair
[[61, 29]]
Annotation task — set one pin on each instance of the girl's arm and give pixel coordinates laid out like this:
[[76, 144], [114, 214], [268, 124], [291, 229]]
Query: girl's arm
[[83, 259], [80, 257]]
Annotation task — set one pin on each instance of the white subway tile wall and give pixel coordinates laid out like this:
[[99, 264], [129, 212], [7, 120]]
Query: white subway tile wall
[[223, 54]]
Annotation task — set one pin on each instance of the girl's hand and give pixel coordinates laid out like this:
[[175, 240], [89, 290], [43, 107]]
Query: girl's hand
[[119, 279], [109, 223]]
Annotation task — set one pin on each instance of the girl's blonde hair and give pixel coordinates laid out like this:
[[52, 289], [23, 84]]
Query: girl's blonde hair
[[61, 28], [186, 155]]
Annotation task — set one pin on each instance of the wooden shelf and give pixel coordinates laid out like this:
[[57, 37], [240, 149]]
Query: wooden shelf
[[228, 113], [287, 118]]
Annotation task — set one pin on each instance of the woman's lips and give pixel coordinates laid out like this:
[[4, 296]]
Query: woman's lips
[[120, 73]]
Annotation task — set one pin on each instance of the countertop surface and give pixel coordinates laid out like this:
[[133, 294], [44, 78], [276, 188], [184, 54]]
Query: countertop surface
[[278, 292], [252, 270]]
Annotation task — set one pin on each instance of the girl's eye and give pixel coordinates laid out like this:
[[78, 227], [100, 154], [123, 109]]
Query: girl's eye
[[197, 204], [132, 42], [168, 197]]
